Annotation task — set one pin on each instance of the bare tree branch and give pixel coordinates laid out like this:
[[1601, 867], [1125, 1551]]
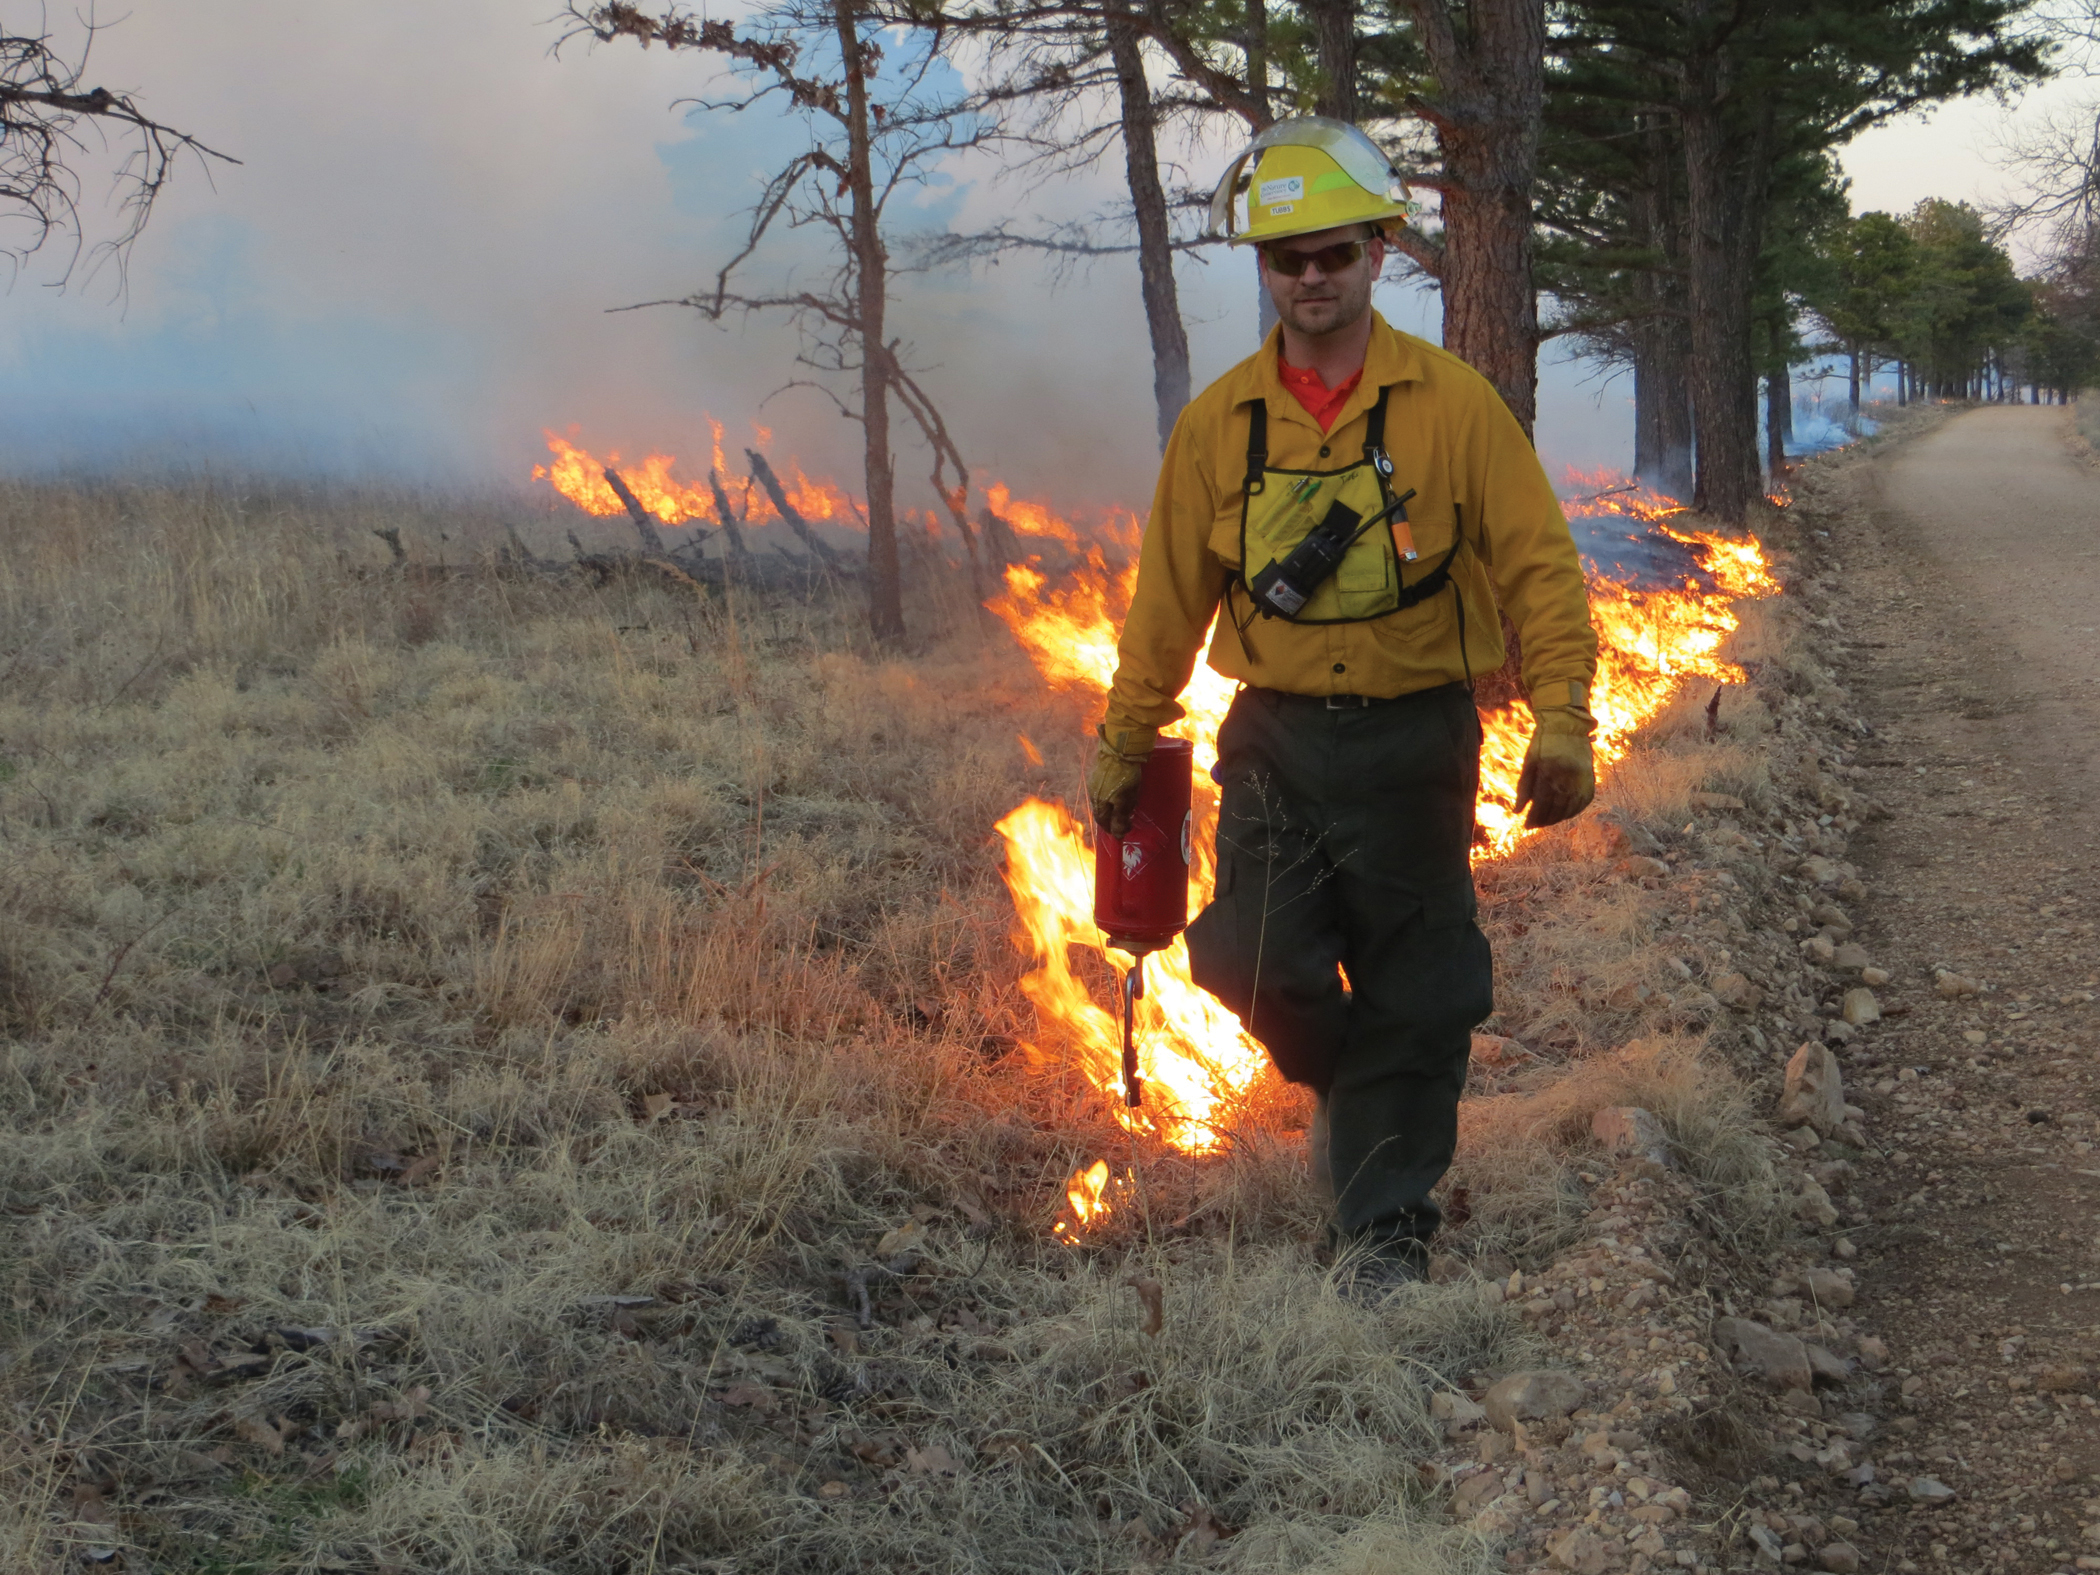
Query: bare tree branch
[[2059, 161], [46, 111], [1424, 251]]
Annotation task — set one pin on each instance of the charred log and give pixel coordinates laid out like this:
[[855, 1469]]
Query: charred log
[[514, 552], [604, 567], [999, 539], [763, 472], [646, 525], [732, 529]]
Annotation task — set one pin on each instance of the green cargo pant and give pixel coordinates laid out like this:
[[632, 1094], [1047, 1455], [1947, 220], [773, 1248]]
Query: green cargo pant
[[1343, 840]]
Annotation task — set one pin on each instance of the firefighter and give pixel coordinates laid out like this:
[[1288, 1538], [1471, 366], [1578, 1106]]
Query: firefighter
[[1352, 505]]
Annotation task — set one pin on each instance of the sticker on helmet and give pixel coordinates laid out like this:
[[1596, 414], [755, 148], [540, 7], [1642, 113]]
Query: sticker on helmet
[[1282, 208], [1288, 188]]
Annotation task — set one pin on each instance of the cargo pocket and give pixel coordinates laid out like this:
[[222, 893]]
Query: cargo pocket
[[1435, 616], [1458, 957], [1364, 585], [1451, 907], [1213, 938]]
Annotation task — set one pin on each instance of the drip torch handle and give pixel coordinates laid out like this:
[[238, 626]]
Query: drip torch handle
[[1133, 988]]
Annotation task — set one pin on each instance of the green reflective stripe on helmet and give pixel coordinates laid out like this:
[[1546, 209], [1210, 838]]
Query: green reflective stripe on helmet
[[1333, 180], [1356, 153]]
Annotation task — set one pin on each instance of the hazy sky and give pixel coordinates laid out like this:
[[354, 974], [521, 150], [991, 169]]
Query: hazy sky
[[408, 273]]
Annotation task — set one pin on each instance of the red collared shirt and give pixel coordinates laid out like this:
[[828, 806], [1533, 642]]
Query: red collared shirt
[[1322, 403]]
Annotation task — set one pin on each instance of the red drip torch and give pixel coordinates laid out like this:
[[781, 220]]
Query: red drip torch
[[1141, 881]]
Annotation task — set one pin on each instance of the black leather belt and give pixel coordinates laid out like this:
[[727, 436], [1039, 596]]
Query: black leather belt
[[1347, 702]]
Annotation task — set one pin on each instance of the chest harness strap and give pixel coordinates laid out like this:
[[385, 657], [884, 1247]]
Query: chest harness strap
[[1374, 452]]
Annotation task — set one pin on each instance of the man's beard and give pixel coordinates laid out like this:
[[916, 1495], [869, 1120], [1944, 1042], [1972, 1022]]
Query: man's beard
[[1330, 313]]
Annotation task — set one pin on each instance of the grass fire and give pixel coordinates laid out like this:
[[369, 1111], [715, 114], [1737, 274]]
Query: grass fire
[[459, 1014], [1656, 639]]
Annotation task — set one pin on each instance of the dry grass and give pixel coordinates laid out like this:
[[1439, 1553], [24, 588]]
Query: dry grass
[[2086, 418], [1602, 979], [465, 1037], [397, 968]]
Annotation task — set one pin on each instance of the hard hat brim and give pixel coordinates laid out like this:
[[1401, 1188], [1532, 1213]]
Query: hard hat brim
[[1385, 220]]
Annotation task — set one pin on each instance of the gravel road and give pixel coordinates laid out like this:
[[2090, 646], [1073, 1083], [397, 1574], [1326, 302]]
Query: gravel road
[[1970, 607]]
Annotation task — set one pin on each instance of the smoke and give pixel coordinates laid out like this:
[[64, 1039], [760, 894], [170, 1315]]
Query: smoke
[[1633, 552], [408, 277]]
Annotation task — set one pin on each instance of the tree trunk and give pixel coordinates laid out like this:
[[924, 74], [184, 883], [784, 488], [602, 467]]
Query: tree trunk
[[790, 516], [1852, 386], [1148, 199], [1726, 170], [1674, 419], [1487, 125], [871, 290], [1257, 45], [1662, 445], [1334, 39], [1786, 410], [1779, 399], [1647, 417]]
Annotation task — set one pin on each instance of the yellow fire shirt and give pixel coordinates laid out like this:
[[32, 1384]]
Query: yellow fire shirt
[[1476, 480]]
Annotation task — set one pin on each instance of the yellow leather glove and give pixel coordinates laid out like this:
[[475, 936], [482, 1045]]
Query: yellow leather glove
[[1559, 777], [1119, 765]]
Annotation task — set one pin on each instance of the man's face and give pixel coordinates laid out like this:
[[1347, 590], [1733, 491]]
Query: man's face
[[1322, 300]]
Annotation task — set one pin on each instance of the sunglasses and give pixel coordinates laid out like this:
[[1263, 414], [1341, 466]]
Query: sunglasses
[[1329, 259]]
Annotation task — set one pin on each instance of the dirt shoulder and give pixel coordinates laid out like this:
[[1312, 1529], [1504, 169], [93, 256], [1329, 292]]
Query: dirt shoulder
[[1966, 617]]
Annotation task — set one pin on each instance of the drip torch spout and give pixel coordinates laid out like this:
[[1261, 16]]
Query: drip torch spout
[[1133, 992]]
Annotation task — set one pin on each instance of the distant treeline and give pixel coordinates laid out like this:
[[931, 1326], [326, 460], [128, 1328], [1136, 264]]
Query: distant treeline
[[1934, 294]]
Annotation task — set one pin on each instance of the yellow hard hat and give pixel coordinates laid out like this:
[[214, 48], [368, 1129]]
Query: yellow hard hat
[[1314, 173]]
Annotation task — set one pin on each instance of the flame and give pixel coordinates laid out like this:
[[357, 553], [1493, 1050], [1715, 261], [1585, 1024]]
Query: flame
[[1588, 493], [579, 475], [1087, 1193], [1197, 1063], [1120, 529]]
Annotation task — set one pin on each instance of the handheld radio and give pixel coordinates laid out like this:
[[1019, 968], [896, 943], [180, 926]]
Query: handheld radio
[[1283, 588]]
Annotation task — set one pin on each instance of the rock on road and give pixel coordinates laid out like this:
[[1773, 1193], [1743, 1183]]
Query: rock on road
[[1969, 597]]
